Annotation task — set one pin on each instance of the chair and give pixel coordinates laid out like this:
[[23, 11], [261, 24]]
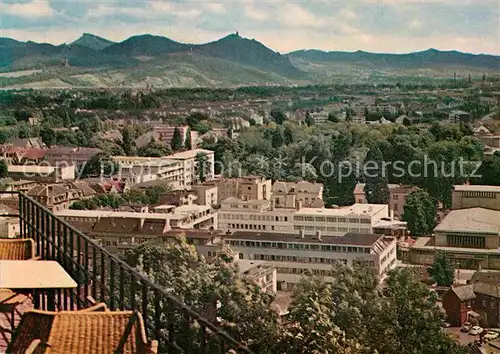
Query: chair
[[9, 300], [17, 249], [81, 332]]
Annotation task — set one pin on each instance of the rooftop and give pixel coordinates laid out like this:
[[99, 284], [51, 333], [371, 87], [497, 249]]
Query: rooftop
[[190, 154], [476, 220], [109, 214], [476, 188], [356, 209], [352, 239]]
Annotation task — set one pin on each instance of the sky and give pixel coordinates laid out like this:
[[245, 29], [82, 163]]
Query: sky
[[392, 26]]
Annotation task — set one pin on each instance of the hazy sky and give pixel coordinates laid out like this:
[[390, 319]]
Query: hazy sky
[[376, 25]]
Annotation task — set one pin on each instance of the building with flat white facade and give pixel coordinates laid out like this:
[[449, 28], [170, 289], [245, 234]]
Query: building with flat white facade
[[261, 216], [187, 160], [293, 254], [135, 169]]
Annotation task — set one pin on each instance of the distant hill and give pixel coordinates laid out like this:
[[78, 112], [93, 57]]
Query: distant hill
[[248, 52], [92, 41], [146, 45], [232, 60], [426, 59]]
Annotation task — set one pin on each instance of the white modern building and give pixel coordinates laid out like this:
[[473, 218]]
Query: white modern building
[[293, 254], [187, 160], [263, 216], [136, 169]]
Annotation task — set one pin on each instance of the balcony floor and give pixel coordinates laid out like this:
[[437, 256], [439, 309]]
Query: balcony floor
[[4, 322]]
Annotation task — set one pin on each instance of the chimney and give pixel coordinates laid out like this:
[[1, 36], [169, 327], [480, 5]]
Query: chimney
[[298, 205], [318, 235], [301, 233]]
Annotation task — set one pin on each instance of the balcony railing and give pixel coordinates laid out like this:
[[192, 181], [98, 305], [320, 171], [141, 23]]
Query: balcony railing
[[105, 278]]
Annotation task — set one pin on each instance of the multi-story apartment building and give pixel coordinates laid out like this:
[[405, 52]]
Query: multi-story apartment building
[[134, 170], [470, 196], [261, 215], [293, 254], [187, 160], [286, 194], [249, 187]]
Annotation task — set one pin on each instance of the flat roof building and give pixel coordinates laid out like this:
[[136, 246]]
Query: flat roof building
[[293, 254]]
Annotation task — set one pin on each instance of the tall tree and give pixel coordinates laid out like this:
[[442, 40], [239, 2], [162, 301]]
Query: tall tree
[[442, 270], [3, 169], [309, 119], [277, 138], [187, 141], [176, 142], [375, 176], [201, 166], [288, 135], [128, 141], [420, 212]]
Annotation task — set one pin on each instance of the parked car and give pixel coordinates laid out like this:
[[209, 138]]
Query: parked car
[[466, 326], [445, 324], [491, 335], [474, 331]]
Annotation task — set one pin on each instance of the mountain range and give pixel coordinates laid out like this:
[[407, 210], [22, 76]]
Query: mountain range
[[232, 60]]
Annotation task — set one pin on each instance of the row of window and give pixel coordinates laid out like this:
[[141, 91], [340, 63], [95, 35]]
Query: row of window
[[299, 271], [490, 195], [295, 218], [312, 260], [331, 229], [299, 246], [253, 217], [248, 227], [332, 219]]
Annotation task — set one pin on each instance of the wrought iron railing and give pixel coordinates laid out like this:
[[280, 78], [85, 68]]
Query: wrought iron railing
[[105, 278]]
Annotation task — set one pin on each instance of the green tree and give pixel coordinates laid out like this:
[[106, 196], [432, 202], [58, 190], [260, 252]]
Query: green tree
[[278, 116], [489, 172], [154, 149], [187, 142], [442, 270], [244, 312], [4, 172], [201, 166], [309, 120], [420, 212], [312, 328], [128, 141], [333, 118], [176, 143], [288, 135], [100, 165], [277, 138], [375, 175]]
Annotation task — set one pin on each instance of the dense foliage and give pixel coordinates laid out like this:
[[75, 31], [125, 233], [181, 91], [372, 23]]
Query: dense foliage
[[354, 314]]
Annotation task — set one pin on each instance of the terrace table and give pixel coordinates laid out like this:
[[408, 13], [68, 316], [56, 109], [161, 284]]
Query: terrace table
[[35, 275]]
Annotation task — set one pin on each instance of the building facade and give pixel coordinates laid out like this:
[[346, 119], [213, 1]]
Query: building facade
[[261, 216], [293, 254], [187, 160], [249, 187], [470, 196], [286, 194]]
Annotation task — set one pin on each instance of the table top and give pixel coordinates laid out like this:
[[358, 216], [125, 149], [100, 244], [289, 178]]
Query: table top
[[34, 275]]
